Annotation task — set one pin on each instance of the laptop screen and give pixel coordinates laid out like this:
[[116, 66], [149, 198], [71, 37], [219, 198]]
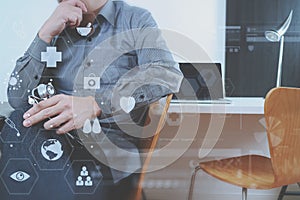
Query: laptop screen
[[202, 81]]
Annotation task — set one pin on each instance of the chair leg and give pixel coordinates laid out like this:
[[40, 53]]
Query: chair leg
[[282, 192], [244, 194], [143, 195], [191, 189]]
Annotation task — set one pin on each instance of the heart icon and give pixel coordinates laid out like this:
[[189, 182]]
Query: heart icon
[[127, 104]]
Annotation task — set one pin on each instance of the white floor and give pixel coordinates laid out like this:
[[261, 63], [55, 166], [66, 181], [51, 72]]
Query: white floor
[[211, 192]]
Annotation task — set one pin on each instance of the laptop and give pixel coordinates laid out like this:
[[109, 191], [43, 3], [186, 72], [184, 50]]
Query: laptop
[[202, 83]]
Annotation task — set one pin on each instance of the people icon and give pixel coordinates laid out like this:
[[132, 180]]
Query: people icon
[[79, 181], [84, 179], [88, 182], [84, 171]]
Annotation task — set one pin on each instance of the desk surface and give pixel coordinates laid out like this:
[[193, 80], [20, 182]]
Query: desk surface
[[238, 105]]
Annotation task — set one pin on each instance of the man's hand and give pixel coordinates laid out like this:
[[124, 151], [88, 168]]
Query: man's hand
[[64, 112], [67, 13]]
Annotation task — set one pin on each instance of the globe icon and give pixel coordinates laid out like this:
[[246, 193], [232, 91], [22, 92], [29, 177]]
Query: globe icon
[[52, 149]]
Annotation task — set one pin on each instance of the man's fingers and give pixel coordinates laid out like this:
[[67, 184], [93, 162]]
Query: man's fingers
[[75, 18], [60, 119], [81, 5], [70, 125], [42, 115], [78, 4], [41, 106]]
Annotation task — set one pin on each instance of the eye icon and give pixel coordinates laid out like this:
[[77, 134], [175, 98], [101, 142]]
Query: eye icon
[[20, 176]]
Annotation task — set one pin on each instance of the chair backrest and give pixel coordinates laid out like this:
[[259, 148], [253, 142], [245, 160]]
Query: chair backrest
[[149, 144], [282, 114]]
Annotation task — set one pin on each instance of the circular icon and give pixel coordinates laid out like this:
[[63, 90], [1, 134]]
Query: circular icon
[[13, 81], [20, 176], [137, 81], [52, 149], [92, 82]]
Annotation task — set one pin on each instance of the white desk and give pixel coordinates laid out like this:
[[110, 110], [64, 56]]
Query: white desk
[[237, 106]]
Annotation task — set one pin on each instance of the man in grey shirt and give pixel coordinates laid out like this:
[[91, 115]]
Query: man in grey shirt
[[122, 47]]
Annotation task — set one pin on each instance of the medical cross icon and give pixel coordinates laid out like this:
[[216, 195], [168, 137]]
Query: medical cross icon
[[51, 57]]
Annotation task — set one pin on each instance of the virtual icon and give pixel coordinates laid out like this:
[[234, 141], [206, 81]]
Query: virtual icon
[[52, 149], [88, 182], [14, 81], [20, 176], [41, 92], [12, 125], [84, 171], [127, 104], [85, 31], [89, 128], [92, 82], [79, 181], [84, 179], [51, 57]]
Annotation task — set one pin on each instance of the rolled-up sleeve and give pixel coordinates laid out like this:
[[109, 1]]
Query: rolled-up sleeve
[[157, 74], [28, 72]]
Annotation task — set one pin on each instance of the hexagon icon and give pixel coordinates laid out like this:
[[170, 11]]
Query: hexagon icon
[[13, 130], [19, 176], [208, 76], [50, 150], [229, 87], [83, 177]]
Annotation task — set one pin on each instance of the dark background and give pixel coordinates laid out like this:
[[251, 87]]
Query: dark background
[[251, 60]]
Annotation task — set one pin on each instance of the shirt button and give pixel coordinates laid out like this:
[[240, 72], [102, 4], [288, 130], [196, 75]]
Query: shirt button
[[89, 63]]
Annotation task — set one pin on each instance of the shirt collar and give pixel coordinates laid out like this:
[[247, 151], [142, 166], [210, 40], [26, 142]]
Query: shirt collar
[[108, 12]]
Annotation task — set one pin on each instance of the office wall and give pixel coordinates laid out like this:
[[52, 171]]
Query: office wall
[[200, 22], [203, 21]]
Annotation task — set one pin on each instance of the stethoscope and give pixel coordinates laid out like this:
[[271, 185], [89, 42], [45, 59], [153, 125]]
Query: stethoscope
[[41, 92]]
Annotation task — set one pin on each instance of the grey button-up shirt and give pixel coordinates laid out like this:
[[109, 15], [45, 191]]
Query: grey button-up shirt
[[125, 51]]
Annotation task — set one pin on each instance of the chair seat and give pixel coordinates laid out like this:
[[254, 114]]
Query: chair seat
[[251, 171]]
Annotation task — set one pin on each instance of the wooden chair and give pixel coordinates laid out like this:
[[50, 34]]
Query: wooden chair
[[148, 145], [282, 114]]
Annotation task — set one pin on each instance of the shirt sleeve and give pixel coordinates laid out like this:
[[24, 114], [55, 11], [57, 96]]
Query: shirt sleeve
[[26, 74], [157, 74]]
